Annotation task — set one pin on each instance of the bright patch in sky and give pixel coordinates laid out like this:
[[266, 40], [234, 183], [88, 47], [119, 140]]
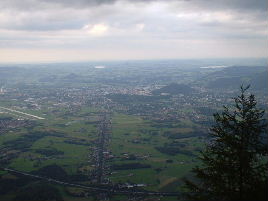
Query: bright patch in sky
[[98, 30]]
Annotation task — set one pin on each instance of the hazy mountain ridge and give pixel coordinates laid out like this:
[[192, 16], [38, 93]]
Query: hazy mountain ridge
[[231, 77]]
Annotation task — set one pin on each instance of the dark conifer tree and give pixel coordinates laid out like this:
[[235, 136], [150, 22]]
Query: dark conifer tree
[[234, 163]]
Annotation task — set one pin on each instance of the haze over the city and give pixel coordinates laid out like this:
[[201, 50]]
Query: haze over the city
[[84, 30]]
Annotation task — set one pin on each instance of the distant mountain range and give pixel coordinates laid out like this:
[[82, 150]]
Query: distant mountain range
[[232, 77]]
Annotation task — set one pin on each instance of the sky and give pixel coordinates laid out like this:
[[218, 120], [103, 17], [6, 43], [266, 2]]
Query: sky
[[85, 30]]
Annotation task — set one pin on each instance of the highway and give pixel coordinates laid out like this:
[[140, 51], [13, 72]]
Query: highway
[[109, 189], [101, 169]]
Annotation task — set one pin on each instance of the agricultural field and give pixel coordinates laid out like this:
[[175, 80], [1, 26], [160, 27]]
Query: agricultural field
[[80, 133], [136, 141]]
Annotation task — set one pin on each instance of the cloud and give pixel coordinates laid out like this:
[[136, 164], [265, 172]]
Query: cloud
[[68, 14], [231, 4], [125, 26], [204, 4]]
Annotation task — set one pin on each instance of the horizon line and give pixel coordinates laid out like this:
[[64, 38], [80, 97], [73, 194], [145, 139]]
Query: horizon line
[[130, 60]]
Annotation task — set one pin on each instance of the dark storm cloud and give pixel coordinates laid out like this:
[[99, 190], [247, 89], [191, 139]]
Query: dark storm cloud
[[79, 3], [206, 4], [45, 4], [231, 4], [210, 4]]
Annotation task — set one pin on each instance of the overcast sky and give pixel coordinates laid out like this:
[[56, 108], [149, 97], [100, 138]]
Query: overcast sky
[[84, 30]]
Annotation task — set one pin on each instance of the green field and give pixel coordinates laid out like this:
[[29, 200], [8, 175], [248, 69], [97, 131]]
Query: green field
[[131, 136]]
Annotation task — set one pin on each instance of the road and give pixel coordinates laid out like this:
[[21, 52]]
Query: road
[[103, 140], [101, 168], [100, 150], [109, 189], [19, 112]]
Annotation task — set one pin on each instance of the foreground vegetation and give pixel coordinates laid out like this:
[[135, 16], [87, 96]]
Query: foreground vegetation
[[234, 163]]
